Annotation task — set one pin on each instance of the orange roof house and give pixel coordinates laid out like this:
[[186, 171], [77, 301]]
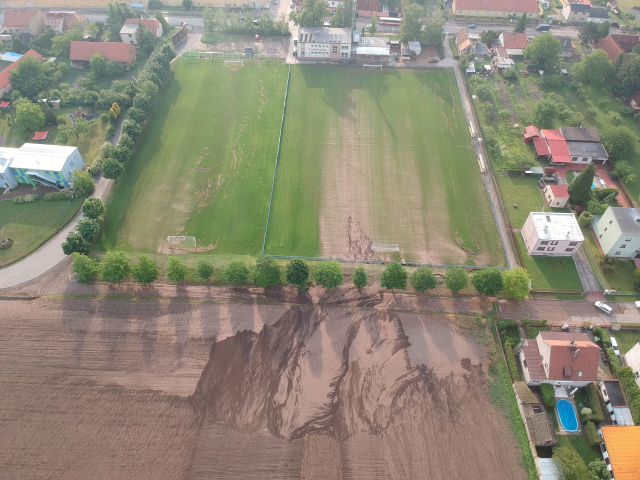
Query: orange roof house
[[5, 75], [621, 448], [609, 45], [27, 22], [81, 52], [149, 23]]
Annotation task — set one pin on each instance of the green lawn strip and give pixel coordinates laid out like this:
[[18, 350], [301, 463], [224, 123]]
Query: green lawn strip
[[532, 332], [520, 195], [550, 273], [31, 224], [204, 164], [626, 339], [579, 444]]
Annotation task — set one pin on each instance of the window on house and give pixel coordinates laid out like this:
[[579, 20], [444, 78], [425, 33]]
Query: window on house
[[551, 249], [579, 374], [573, 159], [554, 243], [541, 249], [610, 222], [605, 229], [627, 239], [568, 249], [573, 244], [335, 49], [617, 253], [544, 242]]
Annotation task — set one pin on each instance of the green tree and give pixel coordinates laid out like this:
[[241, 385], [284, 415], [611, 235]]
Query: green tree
[[544, 50], [29, 116], [373, 28], [312, 14], [590, 113], [522, 24], [570, 464], [112, 168], [62, 43], [487, 281], [545, 112], [594, 68], [166, 28], [411, 23], [131, 128], [297, 273], [423, 279], [116, 16], [624, 171], [627, 77], [114, 267], [98, 65], [360, 277], [113, 69], [49, 115], [457, 279], [75, 243], [588, 33], [82, 181], [204, 269], [92, 207], [598, 470], [328, 274], [125, 141], [137, 115], [236, 272], [187, 4], [585, 219], [619, 142], [86, 268], [88, 228], [489, 36], [394, 277], [580, 188], [342, 17], [146, 40], [268, 272], [516, 283], [434, 20], [73, 131], [177, 269], [18, 46], [145, 271]]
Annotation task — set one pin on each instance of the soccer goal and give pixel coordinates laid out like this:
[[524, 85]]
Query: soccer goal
[[385, 247], [371, 67], [234, 65], [181, 244]]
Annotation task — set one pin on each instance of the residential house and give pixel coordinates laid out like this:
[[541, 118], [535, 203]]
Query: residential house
[[25, 23], [634, 101], [81, 52], [625, 41], [552, 146], [333, 44], [49, 165], [631, 358], [62, 22], [613, 5], [128, 32], [598, 15], [620, 448], [551, 234], [584, 145], [333, 5], [515, 43], [560, 359], [618, 232], [557, 195], [576, 12], [463, 42], [366, 8], [567, 49], [494, 8], [610, 46], [501, 59], [5, 75]]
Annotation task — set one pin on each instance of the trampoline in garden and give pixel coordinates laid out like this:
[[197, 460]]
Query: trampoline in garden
[[567, 415]]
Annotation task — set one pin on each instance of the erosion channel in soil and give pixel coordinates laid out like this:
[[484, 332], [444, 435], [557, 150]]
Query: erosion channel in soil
[[357, 394]]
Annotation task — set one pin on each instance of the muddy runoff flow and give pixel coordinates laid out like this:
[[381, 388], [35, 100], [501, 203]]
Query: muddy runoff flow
[[343, 393]]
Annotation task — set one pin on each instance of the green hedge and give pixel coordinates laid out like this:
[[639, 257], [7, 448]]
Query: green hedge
[[593, 397], [25, 198], [603, 334], [628, 382], [548, 395], [64, 195], [593, 438], [511, 361]]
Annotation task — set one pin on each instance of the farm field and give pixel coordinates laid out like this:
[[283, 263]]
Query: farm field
[[204, 164], [383, 158]]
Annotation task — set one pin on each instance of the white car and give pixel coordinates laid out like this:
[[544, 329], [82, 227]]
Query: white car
[[603, 307], [637, 304]]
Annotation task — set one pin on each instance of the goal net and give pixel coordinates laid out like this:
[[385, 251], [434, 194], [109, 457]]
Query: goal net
[[181, 244], [234, 64], [372, 67], [385, 247]]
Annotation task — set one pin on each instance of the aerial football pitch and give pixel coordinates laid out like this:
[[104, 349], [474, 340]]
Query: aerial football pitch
[[367, 157]]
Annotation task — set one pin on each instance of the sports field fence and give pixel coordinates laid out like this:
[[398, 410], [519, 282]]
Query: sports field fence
[[202, 55]]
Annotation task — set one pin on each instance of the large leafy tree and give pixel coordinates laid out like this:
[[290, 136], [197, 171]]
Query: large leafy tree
[[297, 273], [268, 272], [423, 279], [32, 77], [487, 281], [236, 272], [82, 181], [75, 244], [98, 65], [18, 46], [411, 24], [570, 464], [177, 269], [115, 267], [516, 283], [204, 269], [92, 207], [67, 132], [88, 228], [599, 471], [594, 68], [580, 188], [544, 50], [328, 274], [545, 112], [29, 116], [62, 43], [86, 268], [627, 78], [312, 14], [147, 41], [588, 33], [116, 16], [43, 42], [343, 15], [457, 279], [434, 21], [112, 168], [145, 271], [394, 277], [522, 24], [166, 28], [619, 142]]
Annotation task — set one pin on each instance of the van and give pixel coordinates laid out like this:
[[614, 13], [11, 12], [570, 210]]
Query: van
[[542, 28], [614, 345], [604, 307]]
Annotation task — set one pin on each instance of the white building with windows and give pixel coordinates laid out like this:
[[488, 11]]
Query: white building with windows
[[551, 234], [618, 232], [632, 359], [36, 164], [331, 44]]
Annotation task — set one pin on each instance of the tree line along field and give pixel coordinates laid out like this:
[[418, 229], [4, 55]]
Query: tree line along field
[[365, 157]]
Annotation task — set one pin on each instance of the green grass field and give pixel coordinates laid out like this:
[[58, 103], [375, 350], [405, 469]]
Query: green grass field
[[380, 157], [31, 224], [204, 164]]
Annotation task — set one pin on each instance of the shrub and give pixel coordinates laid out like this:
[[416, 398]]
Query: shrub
[[111, 131], [593, 438], [297, 273], [236, 272], [85, 267], [25, 198], [328, 274], [64, 195], [114, 267], [177, 269], [423, 279], [548, 395], [511, 360], [204, 269], [267, 273], [507, 326], [360, 277], [593, 397], [61, 120], [394, 277], [104, 118], [636, 272], [586, 411], [625, 110], [145, 271], [585, 219], [604, 336]]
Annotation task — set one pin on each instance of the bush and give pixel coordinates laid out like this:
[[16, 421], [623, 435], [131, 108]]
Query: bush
[[328, 274], [104, 118], [268, 272], [603, 334], [507, 326], [111, 131], [61, 120], [593, 397], [88, 228], [625, 110], [297, 273], [92, 208], [631, 391], [64, 195], [423, 279], [146, 270], [394, 277], [75, 243], [236, 272], [177, 269], [585, 219], [548, 395], [593, 438], [457, 279], [25, 198], [85, 267], [204, 269], [114, 267], [511, 360], [636, 273], [360, 277]]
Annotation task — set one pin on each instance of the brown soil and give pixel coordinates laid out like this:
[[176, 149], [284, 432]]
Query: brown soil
[[116, 389]]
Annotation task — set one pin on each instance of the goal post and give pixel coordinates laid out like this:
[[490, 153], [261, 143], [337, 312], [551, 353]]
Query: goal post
[[385, 247], [371, 67], [234, 63], [182, 243]]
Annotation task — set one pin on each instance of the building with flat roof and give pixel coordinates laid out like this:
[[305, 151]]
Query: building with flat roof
[[373, 49], [632, 359], [49, 165], [618, 232], [128, 32], [7, 180], [620, 449], [551, 234], [333, 44]]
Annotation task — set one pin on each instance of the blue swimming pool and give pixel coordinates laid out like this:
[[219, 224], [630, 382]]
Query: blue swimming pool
[[567, 415]]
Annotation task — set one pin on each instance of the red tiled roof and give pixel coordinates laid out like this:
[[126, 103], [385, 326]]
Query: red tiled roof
[[564, 355], [502, 52], [5, 75], [148, 23], [557, 146], [560, 191], [531, 131], [513, 40], [611, 48], [53, 19], [514, 6], [40, 136], [636, 97], [534, 364], [4, 104], [370, 5], [120, 52], [540, 146], [14, 18], [626, 42]]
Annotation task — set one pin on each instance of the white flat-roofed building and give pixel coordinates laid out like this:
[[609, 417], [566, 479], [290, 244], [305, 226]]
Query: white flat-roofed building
[[552, 234], [7, 180], [632, 359], [50, 165], [374, 49], [333, 44]]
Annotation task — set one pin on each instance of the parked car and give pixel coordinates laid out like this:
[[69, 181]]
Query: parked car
[[295, 52], [637, 304], [542, 28], [473, 25], [295, 41], [604, 307]]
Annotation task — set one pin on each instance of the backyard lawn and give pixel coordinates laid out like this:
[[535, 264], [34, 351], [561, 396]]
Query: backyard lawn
[[579, 444], [626, 339]]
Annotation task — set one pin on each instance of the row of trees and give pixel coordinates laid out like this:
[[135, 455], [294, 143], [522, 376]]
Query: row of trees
[[423, 25], [216, 22]]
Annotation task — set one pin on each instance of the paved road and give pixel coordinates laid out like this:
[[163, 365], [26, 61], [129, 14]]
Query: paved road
[[560, 312]]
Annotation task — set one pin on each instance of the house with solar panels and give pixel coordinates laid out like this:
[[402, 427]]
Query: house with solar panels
[[34, 164]]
